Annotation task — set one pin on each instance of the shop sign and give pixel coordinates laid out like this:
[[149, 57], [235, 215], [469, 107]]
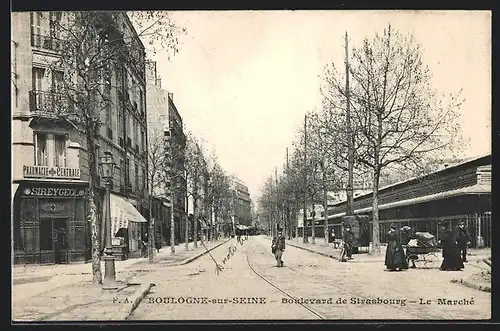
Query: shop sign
[[54, 192], [30, 171]]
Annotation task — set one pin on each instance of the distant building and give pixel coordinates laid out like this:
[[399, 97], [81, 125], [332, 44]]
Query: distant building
[[242, 202], [166, 133]]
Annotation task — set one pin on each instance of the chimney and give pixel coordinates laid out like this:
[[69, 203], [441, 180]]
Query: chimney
[[171, 96]]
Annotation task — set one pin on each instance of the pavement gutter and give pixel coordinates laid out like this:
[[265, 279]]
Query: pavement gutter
[[472, 285], [192, 258], [127, 310]]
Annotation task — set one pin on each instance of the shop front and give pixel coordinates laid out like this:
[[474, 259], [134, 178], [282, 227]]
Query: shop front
[[126, 223], [49, 223]]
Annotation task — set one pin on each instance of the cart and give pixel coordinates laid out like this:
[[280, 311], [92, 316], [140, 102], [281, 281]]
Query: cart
[[421, 251]]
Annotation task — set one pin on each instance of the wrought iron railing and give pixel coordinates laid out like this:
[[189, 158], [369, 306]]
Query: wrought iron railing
[[46, 42], [52, 102]]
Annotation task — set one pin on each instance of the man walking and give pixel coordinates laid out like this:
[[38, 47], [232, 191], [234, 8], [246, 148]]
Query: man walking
[[463, 240], [277, 248], [348, 238]]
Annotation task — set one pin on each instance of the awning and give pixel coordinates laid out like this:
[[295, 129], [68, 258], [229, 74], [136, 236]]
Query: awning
[[14, 190], [241, 227], [123, 212]]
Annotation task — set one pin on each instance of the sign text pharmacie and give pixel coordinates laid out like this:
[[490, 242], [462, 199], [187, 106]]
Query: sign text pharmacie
[[54, 192], [50, 172]]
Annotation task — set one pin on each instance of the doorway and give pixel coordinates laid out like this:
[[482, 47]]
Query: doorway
[[53, 237]]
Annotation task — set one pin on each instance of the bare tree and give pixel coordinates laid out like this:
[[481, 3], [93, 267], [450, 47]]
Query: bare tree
[[196, 168], [92, 47], [398, 116]]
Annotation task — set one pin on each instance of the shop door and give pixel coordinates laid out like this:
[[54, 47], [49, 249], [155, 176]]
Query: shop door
[[53, 237]]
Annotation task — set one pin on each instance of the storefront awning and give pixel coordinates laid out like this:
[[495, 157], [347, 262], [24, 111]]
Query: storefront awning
[[123, 212], [14, 190]]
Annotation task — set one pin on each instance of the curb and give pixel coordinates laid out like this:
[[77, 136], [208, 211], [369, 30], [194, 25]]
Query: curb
[[138, 296], [313, 251], [471, 285], [192, 258]]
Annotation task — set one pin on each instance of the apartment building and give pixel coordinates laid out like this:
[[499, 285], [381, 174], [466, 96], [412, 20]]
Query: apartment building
[[242, 202], [165, 127], [50, 171]]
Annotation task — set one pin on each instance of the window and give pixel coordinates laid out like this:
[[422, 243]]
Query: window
[[145, 179], [37, 78], [122, 172], [60, 151], [55, 24], [127, 172], [41, 155], [36, 23], [143, 142], [136, 177]]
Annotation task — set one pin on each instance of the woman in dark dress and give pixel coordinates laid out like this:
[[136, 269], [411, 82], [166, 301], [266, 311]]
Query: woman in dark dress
[[395, 257], [452, 260]]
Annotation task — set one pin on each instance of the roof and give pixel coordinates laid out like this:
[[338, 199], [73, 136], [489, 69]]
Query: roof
[[474, 189], [469, 160]]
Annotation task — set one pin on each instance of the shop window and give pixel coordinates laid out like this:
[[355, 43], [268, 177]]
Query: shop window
[[46, 235]]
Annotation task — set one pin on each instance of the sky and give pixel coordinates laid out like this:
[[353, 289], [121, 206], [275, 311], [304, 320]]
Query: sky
[[243, 80]]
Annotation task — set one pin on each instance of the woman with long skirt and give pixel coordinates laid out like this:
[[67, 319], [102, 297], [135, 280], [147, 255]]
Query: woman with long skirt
[[395, 257], [452, 260]]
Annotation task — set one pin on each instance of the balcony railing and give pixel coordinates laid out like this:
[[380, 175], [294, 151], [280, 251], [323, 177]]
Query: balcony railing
[[51, 102], [46, 42]]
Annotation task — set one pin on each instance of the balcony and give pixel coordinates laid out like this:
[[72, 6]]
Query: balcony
[[46, 42], [49, 102]]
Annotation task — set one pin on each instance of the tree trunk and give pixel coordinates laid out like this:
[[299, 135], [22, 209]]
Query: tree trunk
[[186, 233], [172, 223], [376, 225], [195, 218], [151, 240], [325, 207], [95, 239], [313, 225], [92, 215], [151, 230]]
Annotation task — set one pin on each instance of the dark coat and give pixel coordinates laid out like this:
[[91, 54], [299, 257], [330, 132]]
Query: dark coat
[[452, 260], [395, 256], [463, 237], [348, 237], [279, 243]]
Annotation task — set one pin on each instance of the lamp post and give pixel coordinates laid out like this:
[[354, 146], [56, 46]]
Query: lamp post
[[107, 166]]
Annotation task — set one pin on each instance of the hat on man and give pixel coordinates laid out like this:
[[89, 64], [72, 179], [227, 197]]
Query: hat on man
[[393, 226]]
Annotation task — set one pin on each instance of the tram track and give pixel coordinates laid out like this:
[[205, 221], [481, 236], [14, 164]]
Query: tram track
[[411, 308], [312, 311]]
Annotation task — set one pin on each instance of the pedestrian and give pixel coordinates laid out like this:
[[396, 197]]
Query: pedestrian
[[333, 236], [348, 239], [158, 241], [452, 260], [464, 240], [144, 248], [395, 257], [407, 235], [277, 248]]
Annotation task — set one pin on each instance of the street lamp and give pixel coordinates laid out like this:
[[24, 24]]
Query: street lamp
[[107, 166]]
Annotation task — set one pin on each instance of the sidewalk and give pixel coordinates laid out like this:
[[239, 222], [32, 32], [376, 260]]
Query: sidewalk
[[66, 292], [321, 248]]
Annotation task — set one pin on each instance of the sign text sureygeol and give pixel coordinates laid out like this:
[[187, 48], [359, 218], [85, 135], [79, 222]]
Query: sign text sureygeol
[[54, 192]]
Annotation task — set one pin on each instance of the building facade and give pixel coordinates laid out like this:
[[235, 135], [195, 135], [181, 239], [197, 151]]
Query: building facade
[[50, 171], [242, 202], [166, 134]]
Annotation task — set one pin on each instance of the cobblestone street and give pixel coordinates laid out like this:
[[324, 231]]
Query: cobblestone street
[[196, 291]]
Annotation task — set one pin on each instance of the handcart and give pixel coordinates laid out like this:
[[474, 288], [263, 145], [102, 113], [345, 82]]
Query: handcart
[[422, 249]]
